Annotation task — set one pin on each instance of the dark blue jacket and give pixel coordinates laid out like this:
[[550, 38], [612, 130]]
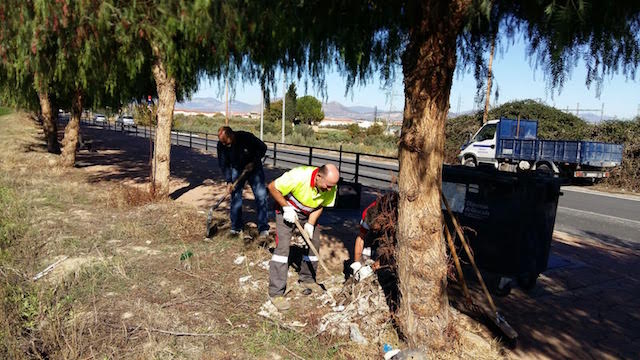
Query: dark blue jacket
[[245, 149]]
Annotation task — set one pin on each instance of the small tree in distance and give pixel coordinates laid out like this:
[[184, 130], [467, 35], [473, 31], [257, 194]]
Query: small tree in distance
[[309, 110]]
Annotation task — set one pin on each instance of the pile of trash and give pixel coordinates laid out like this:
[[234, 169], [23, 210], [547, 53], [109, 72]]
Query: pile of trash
[[360, 312]]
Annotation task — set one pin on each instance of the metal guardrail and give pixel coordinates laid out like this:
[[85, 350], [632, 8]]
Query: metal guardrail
[[363, 168]]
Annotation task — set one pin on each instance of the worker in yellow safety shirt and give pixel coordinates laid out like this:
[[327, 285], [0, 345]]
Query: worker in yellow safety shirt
[[300, 194]]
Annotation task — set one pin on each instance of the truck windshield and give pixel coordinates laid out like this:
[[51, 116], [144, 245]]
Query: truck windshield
[[486, 133]]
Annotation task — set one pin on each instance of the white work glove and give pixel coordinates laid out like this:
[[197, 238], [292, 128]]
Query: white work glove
[[364, 273], [361, 272], [289, 214], [308, 228]]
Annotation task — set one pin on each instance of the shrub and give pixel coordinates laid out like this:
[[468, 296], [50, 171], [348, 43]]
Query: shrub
[[305, 130]]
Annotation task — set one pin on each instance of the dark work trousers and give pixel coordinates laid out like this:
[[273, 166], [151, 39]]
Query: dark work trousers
[[256, 180], [279, 266]]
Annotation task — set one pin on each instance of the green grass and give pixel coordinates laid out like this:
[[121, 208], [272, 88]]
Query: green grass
[[13, 221], [269, 338], [5, 111]]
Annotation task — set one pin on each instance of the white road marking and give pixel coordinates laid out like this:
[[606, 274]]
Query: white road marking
[[614, 218], [601, 193]]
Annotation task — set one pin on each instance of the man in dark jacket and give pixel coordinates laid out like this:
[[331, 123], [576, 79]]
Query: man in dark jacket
[[237, 151]]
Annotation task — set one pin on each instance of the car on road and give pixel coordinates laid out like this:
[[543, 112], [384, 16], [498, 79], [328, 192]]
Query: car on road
[[125, 120], [100, 119]]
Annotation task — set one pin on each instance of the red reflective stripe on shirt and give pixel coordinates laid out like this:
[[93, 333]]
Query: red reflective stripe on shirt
[[313, 177], [364, 212]]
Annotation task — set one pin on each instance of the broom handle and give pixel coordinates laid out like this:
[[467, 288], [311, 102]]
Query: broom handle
[[305, 236], [456, 260], [466, 249]]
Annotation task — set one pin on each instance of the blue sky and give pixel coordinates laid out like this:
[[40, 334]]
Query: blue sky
[[514, 75]]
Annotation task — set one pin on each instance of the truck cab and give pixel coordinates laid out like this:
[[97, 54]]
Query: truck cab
[[481, 147]]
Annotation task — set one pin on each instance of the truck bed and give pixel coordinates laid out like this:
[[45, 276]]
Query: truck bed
[[517, 140], [586, 153]]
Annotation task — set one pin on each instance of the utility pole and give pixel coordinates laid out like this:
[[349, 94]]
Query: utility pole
[[261, 114], [602, 113], [284, 98], [459, 103], [488, 96], [226, 97]]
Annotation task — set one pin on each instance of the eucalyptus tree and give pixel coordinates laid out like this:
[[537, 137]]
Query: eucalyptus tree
[[428, 39]]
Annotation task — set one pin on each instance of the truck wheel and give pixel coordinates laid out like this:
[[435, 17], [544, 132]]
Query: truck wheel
[[470, 162], [527, 281]]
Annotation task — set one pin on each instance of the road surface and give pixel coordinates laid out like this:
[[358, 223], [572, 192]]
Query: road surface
[[603, 216]]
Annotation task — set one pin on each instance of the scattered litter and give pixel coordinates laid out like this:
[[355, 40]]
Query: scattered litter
[[49, 268], [176, 291], [264, 265], [239, 260], [356, 336], [127, 315], [245, 278], [148, 242], [390, 354], [269, 311], [252, 263], [361, 309], [297, 324]]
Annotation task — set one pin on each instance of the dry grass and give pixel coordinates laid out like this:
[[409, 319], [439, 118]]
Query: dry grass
[[128, 287]]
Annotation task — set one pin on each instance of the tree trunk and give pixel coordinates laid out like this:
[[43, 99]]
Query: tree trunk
[[428, 65], [49, 123], [166, 87], [71, 132], [489, 76]]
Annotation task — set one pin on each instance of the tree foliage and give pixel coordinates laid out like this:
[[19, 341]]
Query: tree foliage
[[291, 110], [309, 110]]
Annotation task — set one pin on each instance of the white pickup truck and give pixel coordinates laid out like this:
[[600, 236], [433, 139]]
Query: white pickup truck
[[513, 145]]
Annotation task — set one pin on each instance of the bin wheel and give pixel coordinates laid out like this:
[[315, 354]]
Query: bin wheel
[[498, 289], [527, 281]]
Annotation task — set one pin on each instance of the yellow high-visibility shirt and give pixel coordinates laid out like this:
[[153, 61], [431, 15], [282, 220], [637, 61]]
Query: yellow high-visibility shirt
[[298, 187]]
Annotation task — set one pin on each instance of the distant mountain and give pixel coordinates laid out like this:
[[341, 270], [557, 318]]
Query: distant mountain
[[333, 109], [214, 105], [336, 110]]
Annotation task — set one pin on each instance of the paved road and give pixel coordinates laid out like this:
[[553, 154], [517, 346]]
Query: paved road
[[610, 218]]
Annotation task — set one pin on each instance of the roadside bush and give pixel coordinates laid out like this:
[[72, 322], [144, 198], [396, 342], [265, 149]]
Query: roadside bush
[[626, 176], [274, 128], [354, 131], [376, 129], [305, 130], [334, 137]]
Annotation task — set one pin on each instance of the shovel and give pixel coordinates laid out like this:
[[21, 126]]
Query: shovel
[[305, 236], [212, 229]]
